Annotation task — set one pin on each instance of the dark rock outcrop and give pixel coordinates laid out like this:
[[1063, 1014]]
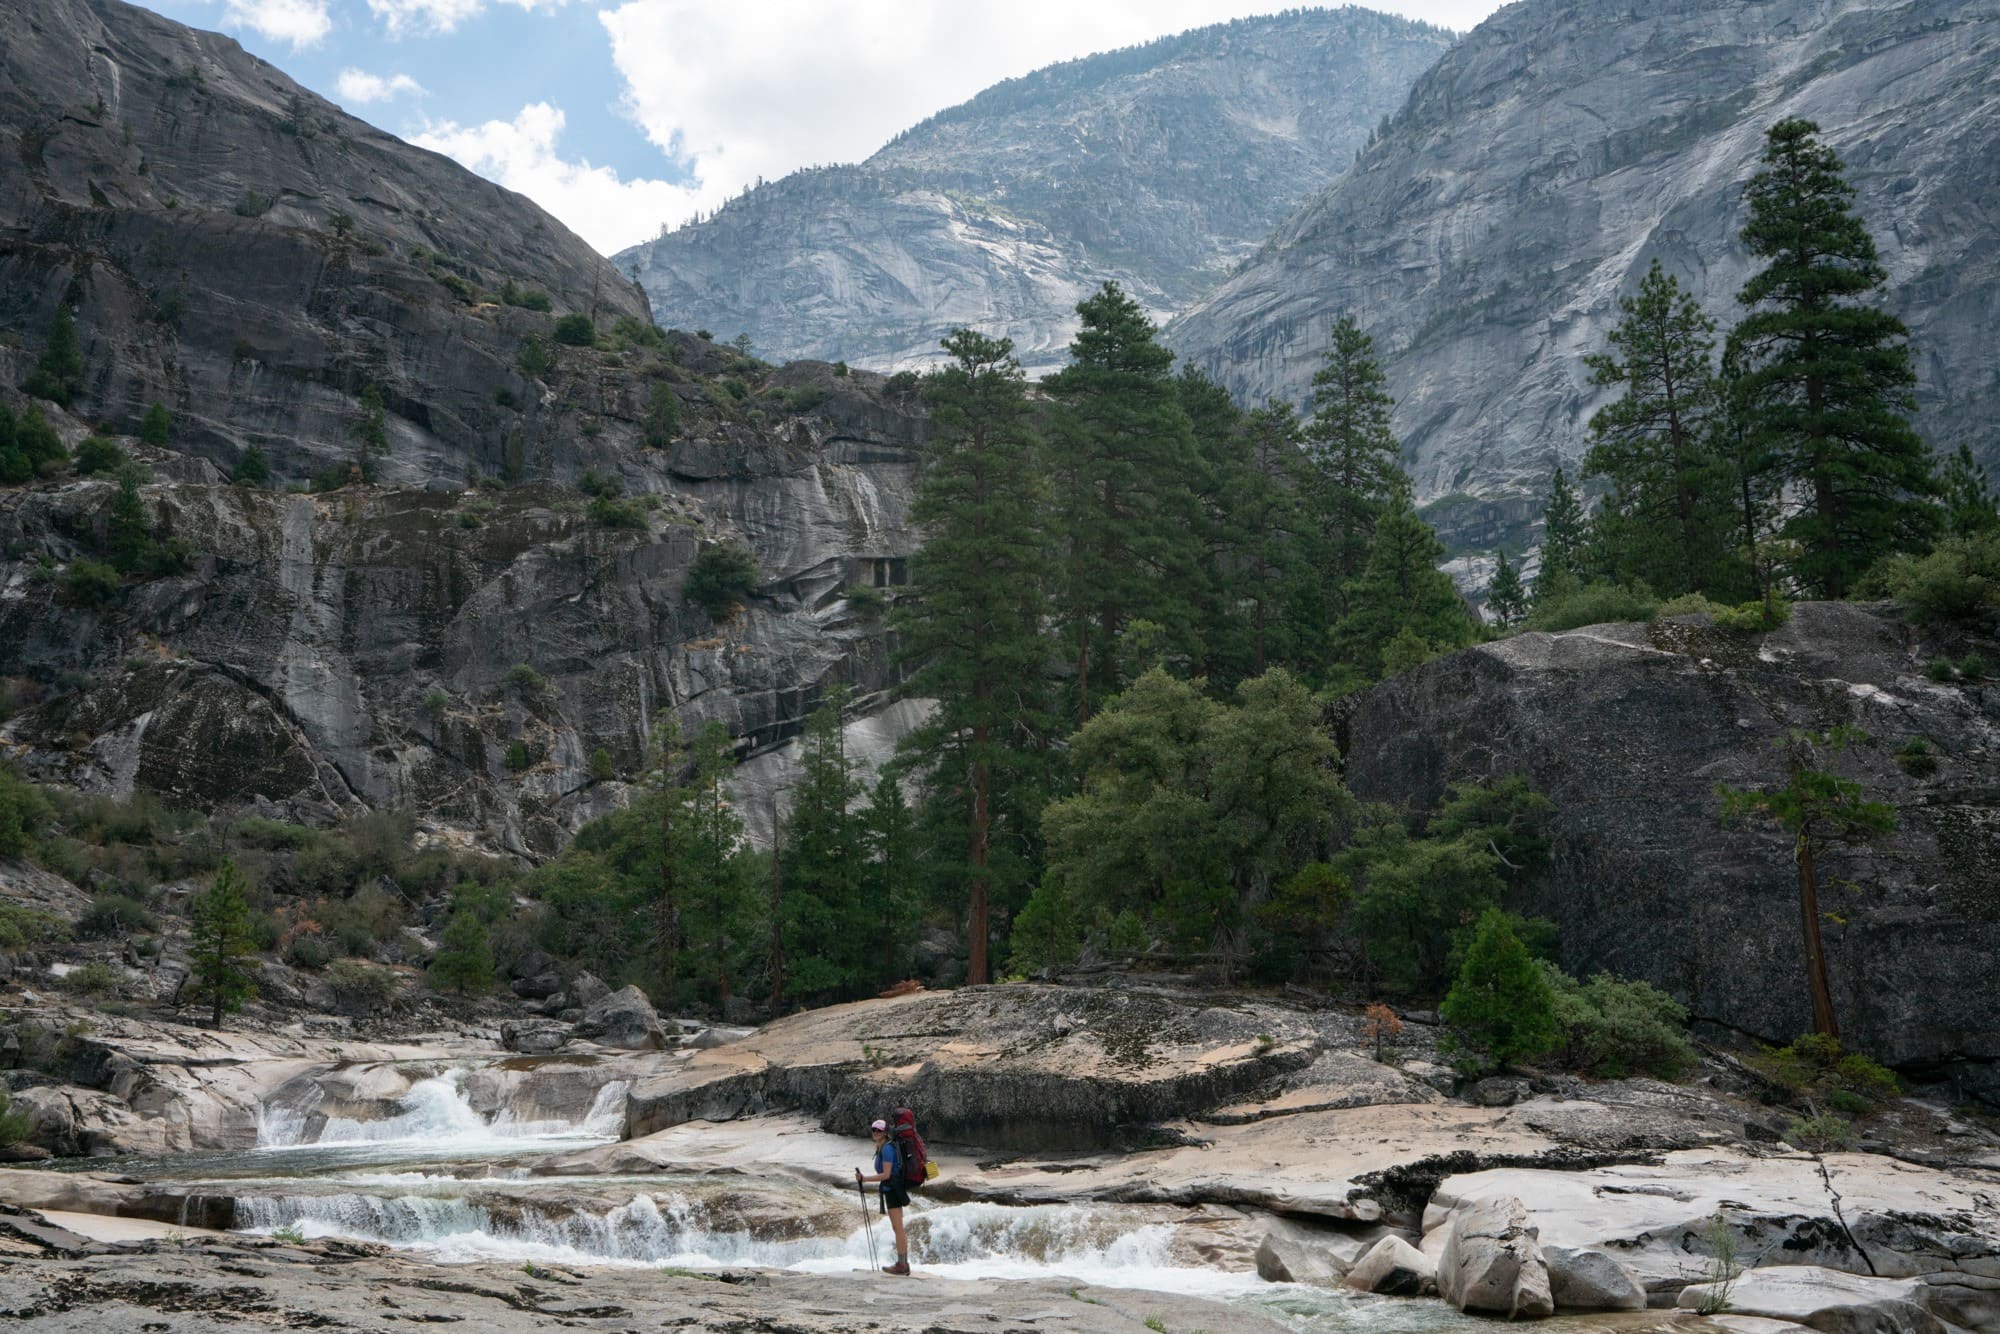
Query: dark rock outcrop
[[1547, 159], [1628, 728], [1159, 166]]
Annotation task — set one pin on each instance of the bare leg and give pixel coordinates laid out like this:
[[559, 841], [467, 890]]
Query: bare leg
[[902, 1237]]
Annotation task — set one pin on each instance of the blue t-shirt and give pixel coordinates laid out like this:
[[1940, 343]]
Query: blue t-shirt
[[888, 1159]]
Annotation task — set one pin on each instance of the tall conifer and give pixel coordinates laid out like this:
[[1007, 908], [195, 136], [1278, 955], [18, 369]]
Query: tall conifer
[[974, 627], [1827, 378], [1352, 447]]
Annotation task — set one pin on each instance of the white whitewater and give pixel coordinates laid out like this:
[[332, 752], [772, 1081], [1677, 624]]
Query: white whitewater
[[437, 1114]]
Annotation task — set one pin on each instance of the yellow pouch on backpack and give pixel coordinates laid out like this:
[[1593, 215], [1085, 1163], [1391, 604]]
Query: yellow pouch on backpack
[[930, 1169]]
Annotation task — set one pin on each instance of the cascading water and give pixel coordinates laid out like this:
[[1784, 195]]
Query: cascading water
[[437, 1113]]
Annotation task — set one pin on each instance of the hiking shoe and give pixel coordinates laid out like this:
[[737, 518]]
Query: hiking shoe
[[900, 1267]]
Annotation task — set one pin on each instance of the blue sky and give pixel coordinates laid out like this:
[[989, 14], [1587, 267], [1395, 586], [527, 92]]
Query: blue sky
[[625, 116]]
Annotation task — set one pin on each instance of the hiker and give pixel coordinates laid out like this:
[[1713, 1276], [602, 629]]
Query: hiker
[[895, 1193]]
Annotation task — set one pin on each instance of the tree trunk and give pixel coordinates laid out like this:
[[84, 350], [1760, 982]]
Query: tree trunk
[[1816, 983], [977, 927]]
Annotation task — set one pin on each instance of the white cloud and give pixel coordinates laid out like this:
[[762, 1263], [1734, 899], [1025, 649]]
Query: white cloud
[[403, 17], [358, 87], [741, 91], [520, 154], [300, 22]]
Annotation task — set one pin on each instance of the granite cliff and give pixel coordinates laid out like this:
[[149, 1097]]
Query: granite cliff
[[1159, 166], [267, 268], [1547, 159]]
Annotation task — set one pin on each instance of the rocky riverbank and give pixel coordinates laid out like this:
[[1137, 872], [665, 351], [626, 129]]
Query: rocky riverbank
[[1255, 1141]]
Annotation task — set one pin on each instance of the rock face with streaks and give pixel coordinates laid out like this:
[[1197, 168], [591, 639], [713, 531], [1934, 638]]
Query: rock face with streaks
[[1628, 729], [268, 268], [1158, 166], [1546, 160]]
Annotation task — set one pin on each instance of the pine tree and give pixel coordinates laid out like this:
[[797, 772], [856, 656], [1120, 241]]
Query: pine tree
[[1563, 537], [1819, 809], [889, 826], [1827, 379], [1219, 643], [1505, 597], [717, 901], [219, 942], [1500, 1004], [1121, 452], [669, 803], [1401, 589], [973, 630], [1969, 503], [663, 416], [1353, 451], [157, 427], [128, 534], [832, 933], [465, 963], [58, 376], [1666, 519], [1266, 511]]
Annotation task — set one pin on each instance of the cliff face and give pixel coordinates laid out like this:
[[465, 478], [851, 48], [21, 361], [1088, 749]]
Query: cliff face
[[1536, 172], [247, 255], [1158, 166], [1628, 728]]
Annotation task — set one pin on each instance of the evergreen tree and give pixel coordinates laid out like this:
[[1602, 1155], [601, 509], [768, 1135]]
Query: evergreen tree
[[663, 416], [1969, 504], [974, 629], [157, 427], [718, 901], [128, 533], [1220, 640], [1353, 450], [371, 431], [1563, 538], [58, 376], [832, 934], [1505, 597], [1666, 520], [889, 826], [1401, 588], [1826, 378], [28, 445], [219, 943], [1265, 509], [1501, 1004], [465, 963], [253, 469], [668, 803], [1121, 452], [1819, 809]]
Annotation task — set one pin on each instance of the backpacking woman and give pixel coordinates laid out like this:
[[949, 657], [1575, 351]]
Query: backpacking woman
[[895, 1194]]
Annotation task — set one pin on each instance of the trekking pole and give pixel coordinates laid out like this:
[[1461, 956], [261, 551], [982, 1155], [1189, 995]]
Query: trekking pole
[[867, 1223]]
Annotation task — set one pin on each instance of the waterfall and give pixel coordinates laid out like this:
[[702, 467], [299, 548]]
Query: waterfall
[[436, 1112]]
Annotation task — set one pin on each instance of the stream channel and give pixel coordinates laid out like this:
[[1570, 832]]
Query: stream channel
[[433, 1176]]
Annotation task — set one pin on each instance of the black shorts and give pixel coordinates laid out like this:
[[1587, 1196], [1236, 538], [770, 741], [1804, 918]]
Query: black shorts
[[895, 1195]]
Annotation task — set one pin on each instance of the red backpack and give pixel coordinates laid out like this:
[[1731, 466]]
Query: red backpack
[[910, 1151]]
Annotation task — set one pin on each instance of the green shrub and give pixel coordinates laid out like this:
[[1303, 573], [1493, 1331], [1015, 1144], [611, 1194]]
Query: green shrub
[[116, 915], [1764, 614], [309, 950], [436, 702], [517, 756], [1823, 1133], [593, 483], [93, 979], [663, 417], [24, 813], [1814, 1067], [1611, 1028], [253, 469], [90, 584], [840, 368], [1942, 669], [1045, 930], [156, 428], [527, 298], [25, 926], [720, 577], [534, 360], [465, 964], [1972, 667], [627, 331], [608, 513], [1500, 1009], [16, 1124], [1916, 758], [29, 446], [575, 330], [602, 769], [1594, 604], [736, 387], [360, 988], [58, 375], [525, 679], [97, 455], [865, 600], [1957, 583]]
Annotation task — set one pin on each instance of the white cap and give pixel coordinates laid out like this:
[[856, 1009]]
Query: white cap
[[878, 1125]]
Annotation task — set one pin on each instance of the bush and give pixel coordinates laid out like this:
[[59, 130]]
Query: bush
[[1916, 758], [840, 368], [1764, 614], [97, 455], [1958, 583], [602, 769], [15, 1124], [361, 988], [253, 469], [720, 577], [534, 360], [1942, 669], [1612, 1029], [24, 926], [606, 512], [663, 417], [594, 483], [29, 446], [865, 600], [93, 979], [527, 298], [90, 584], [156, 428], [1500, 1009], [1814, 1067], [24, 813], [736, 387], [1823, 1133], [1972, 667], [575, 330], [465, 964], [116, 915], [1594, 604], [525, 679], [517, 756], [309, 950]]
